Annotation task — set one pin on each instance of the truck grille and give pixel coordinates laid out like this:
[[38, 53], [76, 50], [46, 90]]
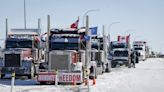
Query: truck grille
[[59, 62], [121, 53], [12, 60]]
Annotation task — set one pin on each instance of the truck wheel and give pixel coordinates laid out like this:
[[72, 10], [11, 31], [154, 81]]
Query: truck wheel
[[2, 76], [102, 69], [108, 68], [129, 65], [95, 74], [113, 65]]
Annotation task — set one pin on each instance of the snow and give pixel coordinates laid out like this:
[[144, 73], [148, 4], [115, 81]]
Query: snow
[[148, 76]]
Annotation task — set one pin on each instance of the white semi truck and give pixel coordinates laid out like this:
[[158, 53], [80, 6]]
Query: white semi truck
[[120, 53], [140, 46]]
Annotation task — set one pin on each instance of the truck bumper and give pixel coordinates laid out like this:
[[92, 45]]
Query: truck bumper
[[18, 71], [62, 77]]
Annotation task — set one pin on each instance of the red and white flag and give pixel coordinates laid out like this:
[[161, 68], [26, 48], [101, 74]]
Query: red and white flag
[[118, 38], [128, 38], [124, 38], [75, 24], [121, 38]]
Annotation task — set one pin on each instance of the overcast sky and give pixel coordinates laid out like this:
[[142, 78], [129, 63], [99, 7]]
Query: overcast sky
[[143, 19]]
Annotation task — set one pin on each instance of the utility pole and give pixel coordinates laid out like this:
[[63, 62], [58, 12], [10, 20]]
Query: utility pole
[[25, 14], [47, 41], [6, 28], [88, 49], [105, 49], [6, 31], [39, 26], [104, 43]]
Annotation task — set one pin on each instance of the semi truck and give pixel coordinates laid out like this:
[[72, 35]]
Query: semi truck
[[103, 50], [99, 46], [66, 57], [21, 52], [141, 48], [120, 54]]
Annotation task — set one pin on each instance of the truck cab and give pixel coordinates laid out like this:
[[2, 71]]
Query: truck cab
[[21, 52], [120, 53], [66, 56]]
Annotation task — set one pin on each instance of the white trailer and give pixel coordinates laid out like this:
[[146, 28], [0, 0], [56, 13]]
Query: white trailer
[[140, 46]]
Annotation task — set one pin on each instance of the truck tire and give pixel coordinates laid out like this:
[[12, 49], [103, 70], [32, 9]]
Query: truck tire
[[114, 64], [95, 73], [102, 68], [129, 65], [108, 68], [2, 75]]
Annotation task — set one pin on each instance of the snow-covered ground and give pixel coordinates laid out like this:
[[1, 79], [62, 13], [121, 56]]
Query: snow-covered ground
[[148, 76]]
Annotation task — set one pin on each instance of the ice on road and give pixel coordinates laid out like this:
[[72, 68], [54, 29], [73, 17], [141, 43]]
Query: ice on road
[[148, 76]]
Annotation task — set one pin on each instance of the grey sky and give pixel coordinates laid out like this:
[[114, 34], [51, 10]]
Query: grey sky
[[143, 19]]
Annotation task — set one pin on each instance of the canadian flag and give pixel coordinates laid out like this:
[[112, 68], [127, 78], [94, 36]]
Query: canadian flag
[[121, 38], [75, 24], [128, 38], [124, 38]]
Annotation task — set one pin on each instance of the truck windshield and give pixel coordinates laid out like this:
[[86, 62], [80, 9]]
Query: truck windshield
[[95, 46], [121, 53], [65, 43], [119, 45], [19, 44], [138, 49]]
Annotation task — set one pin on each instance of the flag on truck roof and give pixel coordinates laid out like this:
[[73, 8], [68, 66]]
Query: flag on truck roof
[[128, 38], [93, 30], [124, 38], [75, 24]]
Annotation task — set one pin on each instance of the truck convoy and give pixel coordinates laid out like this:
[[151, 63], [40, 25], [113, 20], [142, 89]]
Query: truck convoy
[[21, 52], [67, 57], [141, 48], [120, 51]]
